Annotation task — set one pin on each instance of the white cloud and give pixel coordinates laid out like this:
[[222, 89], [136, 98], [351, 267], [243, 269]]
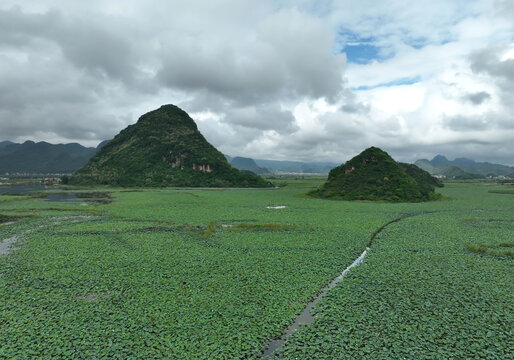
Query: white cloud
[[262, 78]]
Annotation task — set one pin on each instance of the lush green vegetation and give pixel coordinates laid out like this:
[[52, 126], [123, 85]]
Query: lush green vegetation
[[421, 292], [374, 175], [421, 176], [216, 274], [501, 249], [164, 148], [156, 274], [508, 191]]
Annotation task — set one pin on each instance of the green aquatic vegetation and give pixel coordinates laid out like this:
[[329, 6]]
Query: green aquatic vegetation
[[268, 226], [8, 217], [501, 249], [141, 275], [136, 278], [209, 230], [420, 293], [502, 191], [94, 195]]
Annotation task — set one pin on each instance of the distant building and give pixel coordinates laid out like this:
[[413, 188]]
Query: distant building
[[50, 181]]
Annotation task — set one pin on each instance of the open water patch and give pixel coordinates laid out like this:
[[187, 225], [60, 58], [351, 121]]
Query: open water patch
[[22, 189], [6, 245], [62, 197], [50, 194]]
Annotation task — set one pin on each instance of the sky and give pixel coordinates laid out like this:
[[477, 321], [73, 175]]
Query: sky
[[286, 80]]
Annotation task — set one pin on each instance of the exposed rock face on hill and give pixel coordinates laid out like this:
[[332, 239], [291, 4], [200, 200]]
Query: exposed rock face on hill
[[374, 175], [164, 148]]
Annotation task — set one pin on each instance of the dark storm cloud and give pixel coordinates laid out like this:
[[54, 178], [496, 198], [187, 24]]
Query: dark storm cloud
[[478, 97]]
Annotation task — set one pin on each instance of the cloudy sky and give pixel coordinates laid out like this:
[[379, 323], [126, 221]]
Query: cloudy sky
[[296, 80]]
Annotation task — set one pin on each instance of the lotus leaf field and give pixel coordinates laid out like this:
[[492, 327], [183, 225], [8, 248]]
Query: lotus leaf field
[[216, 274]]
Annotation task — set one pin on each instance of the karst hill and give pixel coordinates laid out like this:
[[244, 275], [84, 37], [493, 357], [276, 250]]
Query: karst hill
[[164, 148], [374, 175]]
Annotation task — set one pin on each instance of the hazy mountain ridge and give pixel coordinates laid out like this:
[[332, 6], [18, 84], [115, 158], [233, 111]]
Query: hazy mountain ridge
[[286, 166], [463, 168], [43, 157], [247, 164]]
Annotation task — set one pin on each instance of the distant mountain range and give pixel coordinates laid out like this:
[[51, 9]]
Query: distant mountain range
[[260, 166], [247, 164], [463, 168], [43, 158]]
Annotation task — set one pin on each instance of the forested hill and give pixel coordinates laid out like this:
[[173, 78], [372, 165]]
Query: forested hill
[[164, 148], [374, 175]]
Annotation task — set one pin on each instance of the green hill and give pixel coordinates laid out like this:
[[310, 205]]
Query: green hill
[[421, 176], [164, 148], [374, 175]]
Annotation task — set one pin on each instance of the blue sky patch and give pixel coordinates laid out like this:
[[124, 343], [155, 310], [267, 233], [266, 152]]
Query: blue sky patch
[[396, 82], [359, 50], [361, 54]]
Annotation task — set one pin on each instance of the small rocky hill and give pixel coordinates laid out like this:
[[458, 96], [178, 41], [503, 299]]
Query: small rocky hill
[[374, 175], [164, 148]]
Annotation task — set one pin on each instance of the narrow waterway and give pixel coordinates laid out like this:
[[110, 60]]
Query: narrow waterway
[[305, 316]]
